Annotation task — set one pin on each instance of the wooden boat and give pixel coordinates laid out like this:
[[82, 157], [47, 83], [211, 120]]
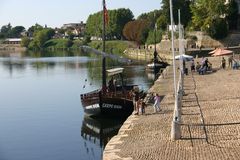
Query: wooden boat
[[109, 101], [112, 102]]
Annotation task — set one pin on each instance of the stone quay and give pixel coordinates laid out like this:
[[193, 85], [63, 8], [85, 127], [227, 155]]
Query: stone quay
[[210, 121]]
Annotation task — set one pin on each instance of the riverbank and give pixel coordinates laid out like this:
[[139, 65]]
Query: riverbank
[[210, 121], [4, 48]]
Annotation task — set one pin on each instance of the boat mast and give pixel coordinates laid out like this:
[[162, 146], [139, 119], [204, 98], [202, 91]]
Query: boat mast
[[103, 48], [155, 47]]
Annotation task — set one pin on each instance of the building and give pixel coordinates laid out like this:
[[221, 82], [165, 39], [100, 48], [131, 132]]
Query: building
[[77, 29], [12, 41]]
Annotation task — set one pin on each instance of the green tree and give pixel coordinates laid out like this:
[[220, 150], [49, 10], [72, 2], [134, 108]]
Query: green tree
[[86, 40], [183, 5], [162, 22], [151, 17], [41, 37], [5, 30], [34, 29], [25, 42], [117, 20], [206, 11], [16, 32], [151, 37]]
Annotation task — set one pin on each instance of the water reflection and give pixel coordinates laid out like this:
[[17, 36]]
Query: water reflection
[[100, 130]]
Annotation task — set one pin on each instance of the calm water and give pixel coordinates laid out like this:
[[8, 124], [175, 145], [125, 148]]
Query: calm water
[[41, 117]]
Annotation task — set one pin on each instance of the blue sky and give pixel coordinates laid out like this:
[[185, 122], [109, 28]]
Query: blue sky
[[54, 13]]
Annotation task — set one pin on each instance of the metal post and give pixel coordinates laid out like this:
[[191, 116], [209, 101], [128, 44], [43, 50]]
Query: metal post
[[175, 132], [173, 52]]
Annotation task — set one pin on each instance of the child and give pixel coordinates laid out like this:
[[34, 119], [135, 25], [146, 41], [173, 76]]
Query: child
[[156, 103], [142, 107]]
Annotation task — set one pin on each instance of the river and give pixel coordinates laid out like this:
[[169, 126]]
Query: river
[[41, 117]]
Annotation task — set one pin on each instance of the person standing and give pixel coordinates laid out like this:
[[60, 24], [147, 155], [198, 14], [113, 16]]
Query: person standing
[[156, 105], [223, 63], [192, 65], [135, 95], [230, 60]]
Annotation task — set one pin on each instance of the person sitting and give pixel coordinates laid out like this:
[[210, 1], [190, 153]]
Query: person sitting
[[235, 64], [198, 66], [111, 85], [202, 70], [192, 65]]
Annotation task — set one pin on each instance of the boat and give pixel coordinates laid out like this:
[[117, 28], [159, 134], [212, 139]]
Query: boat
[[158, 65], [110, 101], [116, 101], [157, 62]]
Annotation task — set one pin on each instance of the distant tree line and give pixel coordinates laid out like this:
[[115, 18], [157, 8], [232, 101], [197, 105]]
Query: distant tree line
[[214, 17], [7, 31]]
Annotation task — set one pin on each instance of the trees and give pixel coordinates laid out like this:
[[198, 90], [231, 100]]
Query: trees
[[209, 15], [34, 29], [183, 5], [15, 32], [151, 17], [117, 20], [5, 30], [41, 37], [136, 31], [25, 42], [151, 37]]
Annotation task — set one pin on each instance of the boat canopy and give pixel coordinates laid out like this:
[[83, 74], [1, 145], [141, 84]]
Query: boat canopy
[[114, 71]]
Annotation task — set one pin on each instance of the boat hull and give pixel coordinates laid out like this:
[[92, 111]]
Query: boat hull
[[119, 107], [111, 104], [158, 66]]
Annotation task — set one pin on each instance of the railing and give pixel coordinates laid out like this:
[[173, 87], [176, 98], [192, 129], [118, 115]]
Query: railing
[[176, 123]]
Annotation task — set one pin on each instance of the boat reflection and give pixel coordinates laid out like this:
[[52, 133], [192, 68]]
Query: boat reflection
[[100, 130]]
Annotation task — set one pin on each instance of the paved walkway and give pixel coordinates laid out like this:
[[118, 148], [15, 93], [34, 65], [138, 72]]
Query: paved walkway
[[210, 122]]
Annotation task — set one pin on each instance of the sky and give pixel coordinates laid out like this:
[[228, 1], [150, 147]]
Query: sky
[[55, 13]]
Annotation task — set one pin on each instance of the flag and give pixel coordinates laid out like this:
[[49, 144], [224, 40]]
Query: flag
[[105, 12]]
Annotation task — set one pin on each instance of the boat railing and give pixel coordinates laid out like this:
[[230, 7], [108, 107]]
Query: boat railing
[[90, 95]]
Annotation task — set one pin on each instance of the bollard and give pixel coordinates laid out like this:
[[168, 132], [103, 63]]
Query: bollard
[[176, 130]]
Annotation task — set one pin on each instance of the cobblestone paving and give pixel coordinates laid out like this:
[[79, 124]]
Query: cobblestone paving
[[210, 121]]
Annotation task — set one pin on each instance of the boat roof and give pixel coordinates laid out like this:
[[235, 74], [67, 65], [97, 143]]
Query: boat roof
[[114, 71]]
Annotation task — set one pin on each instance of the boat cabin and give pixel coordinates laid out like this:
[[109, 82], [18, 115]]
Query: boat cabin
[[116, 79]]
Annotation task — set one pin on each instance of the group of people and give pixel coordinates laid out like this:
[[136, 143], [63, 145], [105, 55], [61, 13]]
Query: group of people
[[232, 63], [201, 67], [205, 65], [139, 103]]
